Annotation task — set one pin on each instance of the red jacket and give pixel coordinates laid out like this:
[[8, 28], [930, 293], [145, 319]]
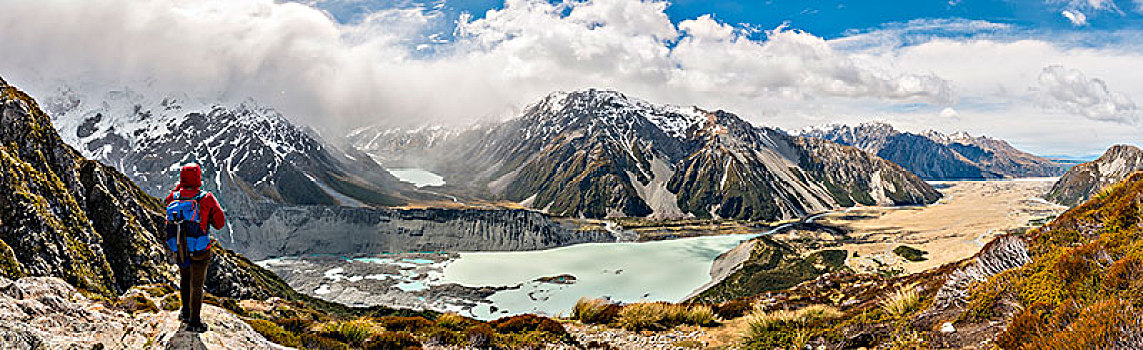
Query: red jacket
[[190, 179]]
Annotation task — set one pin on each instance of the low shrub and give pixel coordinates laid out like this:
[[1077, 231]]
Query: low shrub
[[172, 302], [528, 323], [353, 332], [392, 341], [785, 328], [480, 336], [225, 303], [902, 302], [594, 311], [296, 325], [660, 315], [317, 342], [275, 333], [403, 324], [734, 309], [136, 303], [910, 253], [699, 315], [643, 316], [1026, 325], [157, 290], [444, 336], [454, 322]]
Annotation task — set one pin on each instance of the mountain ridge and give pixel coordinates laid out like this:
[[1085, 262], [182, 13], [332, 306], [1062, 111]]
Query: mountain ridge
[[599, 153], [937, 156]]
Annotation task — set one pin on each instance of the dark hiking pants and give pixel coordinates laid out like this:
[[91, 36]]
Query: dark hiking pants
[[191, 281]]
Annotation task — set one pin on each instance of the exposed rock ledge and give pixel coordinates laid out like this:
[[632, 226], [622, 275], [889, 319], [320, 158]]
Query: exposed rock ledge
[[270, 230], [47, 313]]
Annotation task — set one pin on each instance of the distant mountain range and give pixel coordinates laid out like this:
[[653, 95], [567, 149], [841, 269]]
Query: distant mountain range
[[287, 191], [596, 154], [1083, 181], [936, 156]]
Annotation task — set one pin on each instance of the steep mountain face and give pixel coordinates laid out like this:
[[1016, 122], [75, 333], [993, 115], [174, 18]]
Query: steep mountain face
[[936, 156], [246, 149], [62, 215], [1083, 181], [601, 154]]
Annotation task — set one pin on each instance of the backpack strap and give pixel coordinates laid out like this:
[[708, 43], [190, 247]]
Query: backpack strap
[[195, 198]]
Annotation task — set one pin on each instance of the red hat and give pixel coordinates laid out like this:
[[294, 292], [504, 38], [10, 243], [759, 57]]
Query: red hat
[[190, 176]]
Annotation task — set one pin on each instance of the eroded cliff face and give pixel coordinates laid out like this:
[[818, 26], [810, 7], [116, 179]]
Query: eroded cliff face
[[1083, 181], [269, 230]]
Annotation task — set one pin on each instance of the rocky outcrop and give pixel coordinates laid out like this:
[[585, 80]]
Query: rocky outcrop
[[936, 156], [1001, 254], [1083, 181], [273, 230], [602, 154], [48, 313]]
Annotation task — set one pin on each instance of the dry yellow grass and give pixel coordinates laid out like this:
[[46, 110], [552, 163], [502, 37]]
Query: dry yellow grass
[[971, 214]]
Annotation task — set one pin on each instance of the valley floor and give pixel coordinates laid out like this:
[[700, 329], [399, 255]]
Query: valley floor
[[970, 215]]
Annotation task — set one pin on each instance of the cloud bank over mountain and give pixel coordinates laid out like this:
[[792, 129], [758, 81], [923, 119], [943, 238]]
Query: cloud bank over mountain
[[411, 64]]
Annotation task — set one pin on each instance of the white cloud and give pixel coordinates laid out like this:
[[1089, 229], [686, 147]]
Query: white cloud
[[1077, 18], [949, 113], [296, 58], [1072, 91]]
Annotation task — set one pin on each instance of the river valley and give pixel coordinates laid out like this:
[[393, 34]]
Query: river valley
[[489, 285]]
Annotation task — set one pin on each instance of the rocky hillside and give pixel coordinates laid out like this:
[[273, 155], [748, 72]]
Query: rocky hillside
[[601, 154], [66, 216], [1073, 283], [936, 156], [1083, 181]]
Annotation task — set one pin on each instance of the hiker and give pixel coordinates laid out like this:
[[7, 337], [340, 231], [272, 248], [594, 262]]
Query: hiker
[[191, 213]]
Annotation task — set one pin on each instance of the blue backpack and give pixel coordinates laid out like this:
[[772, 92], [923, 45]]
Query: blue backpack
[[185, 236]]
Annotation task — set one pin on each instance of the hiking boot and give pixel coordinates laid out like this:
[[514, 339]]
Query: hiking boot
[[197, 327]]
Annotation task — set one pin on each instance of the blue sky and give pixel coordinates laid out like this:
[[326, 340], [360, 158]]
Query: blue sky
[[1050, 76], [828, 19]]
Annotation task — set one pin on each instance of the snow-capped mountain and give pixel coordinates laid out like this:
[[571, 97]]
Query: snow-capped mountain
[[600, 153], [936, 156], [1083, 181], [399, 146], [248, 151]]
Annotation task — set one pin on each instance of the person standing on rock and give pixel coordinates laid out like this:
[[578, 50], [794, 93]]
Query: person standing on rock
[[191, 213]]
